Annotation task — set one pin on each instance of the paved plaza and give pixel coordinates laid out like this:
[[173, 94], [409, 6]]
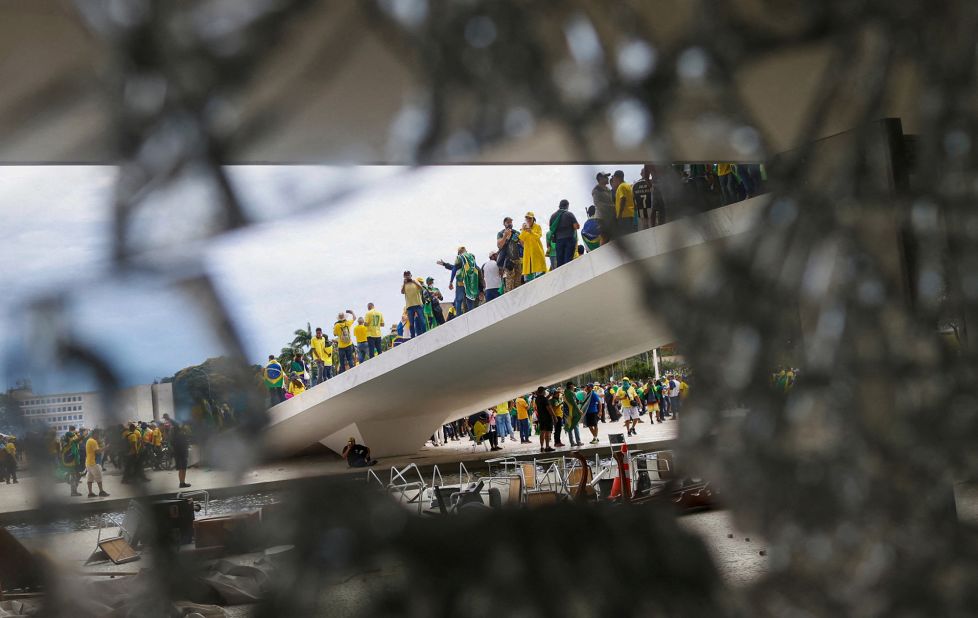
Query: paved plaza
[[17, 500]]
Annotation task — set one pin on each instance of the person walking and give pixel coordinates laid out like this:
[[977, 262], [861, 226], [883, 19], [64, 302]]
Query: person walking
[[563, 232], [545, 419], [92, 469], [492, 275], [360, 335], [534, 257], [374, 321], [274, 377], [628, 398], [322, 356], [572, 415], [343, 331], [413, 303], [591, 407], [674, 401]]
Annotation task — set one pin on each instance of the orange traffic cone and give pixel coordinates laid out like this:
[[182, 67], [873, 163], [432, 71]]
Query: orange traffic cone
[[623, 472]]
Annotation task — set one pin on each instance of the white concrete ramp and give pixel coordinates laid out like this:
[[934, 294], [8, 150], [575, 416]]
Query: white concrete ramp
[[584, 315]]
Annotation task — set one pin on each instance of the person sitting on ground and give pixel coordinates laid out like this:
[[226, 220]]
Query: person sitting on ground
[[357, 455], [481, 430], [296, 387]]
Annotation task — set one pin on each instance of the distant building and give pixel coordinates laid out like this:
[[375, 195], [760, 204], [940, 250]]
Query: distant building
[[146, 402]]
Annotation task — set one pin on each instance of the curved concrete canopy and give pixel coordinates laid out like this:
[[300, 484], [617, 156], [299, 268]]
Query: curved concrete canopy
[[584, 315]]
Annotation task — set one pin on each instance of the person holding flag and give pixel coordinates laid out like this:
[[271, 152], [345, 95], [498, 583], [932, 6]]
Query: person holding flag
[[274, 377]]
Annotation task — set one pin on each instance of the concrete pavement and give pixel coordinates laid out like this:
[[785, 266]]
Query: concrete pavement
[[20, 503]]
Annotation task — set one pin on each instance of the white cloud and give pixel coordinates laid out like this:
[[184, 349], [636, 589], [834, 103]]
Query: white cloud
[[333, 238]]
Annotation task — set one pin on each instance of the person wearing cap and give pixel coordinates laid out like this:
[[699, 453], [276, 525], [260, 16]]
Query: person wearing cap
[[413, 305], [427, 305], [510, 256], [563, 232], [591, 407], [534, 257], [493, 276], [572, 415], [628, 399], [624, 203], [436, 300], [343, 331], [603, 197], [374, 320]]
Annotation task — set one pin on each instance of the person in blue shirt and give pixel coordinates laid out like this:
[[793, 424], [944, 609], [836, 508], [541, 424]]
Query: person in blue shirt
[[591, 406]]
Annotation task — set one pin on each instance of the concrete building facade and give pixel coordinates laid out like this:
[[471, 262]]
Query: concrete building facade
[[146, 402]]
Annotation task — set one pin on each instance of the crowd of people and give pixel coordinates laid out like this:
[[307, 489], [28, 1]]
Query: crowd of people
[[81, 454], [520, 255], [561, 409]]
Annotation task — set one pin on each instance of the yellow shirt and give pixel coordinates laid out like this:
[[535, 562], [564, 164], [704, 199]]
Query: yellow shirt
[[724, 168], [374, 320], [296, 388], [502, 408], [360, 333], [12, 449], [522, 412], [625, 395], [135, 441], [412, 294], [91, 448], [148, 436], [321, 351], [342, 332], [534, 257], [157, 437], [624, 190]]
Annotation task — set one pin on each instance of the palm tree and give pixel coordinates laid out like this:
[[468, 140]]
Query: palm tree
[[302, 338]]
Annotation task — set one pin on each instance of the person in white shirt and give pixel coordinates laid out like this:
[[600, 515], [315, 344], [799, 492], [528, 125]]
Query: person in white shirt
[[673, 384], [493, 276]]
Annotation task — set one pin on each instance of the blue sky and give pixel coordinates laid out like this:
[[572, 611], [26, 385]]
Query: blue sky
[[331, 238]]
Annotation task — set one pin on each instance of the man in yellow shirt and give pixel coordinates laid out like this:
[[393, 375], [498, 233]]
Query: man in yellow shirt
[[628, 399], [92, 469], [360, 335], [728, 183], [374, 321], [343, 331], [8, 461], [503, 427], [322, 355], [523, 419], [624, 203]]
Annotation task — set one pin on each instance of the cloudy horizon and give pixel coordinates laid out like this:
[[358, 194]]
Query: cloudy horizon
[[306, 262]]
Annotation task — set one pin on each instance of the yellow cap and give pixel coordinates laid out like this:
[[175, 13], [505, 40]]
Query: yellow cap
[[530, 215]]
